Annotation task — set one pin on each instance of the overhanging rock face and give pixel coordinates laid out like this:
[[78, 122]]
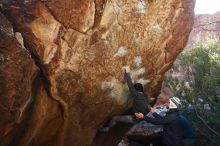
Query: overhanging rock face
[[80, 48]]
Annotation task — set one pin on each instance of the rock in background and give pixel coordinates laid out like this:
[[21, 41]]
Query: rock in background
[[69, 81], [205, 26]]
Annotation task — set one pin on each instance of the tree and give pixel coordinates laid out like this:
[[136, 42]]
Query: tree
[[200, 86]]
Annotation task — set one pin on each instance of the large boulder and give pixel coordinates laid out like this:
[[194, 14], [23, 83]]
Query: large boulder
[[80, 48], [17, 74]]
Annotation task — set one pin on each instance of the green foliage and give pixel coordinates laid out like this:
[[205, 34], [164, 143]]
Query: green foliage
[[202, 65], [201, 69]]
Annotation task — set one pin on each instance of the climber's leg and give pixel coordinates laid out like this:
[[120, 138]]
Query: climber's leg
[[115, 120]]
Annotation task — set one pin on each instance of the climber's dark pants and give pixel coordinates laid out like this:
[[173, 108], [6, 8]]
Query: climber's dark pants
[[155, 139]]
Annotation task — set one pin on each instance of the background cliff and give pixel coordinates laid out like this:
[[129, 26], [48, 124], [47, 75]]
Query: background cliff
[[61, 63], [205, 26]]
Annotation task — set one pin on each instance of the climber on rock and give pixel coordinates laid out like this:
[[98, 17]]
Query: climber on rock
[[140, 102]]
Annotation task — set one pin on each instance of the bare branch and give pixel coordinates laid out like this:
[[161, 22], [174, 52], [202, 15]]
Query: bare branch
[[218, 21], [205, 29], [204, 122], [200, 131]]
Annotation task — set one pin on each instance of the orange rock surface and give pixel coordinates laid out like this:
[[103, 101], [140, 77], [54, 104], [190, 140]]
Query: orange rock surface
[[79, 49]]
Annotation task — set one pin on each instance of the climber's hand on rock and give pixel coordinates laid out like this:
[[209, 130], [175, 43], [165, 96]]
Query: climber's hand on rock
[[127, 69], [139, 115]]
